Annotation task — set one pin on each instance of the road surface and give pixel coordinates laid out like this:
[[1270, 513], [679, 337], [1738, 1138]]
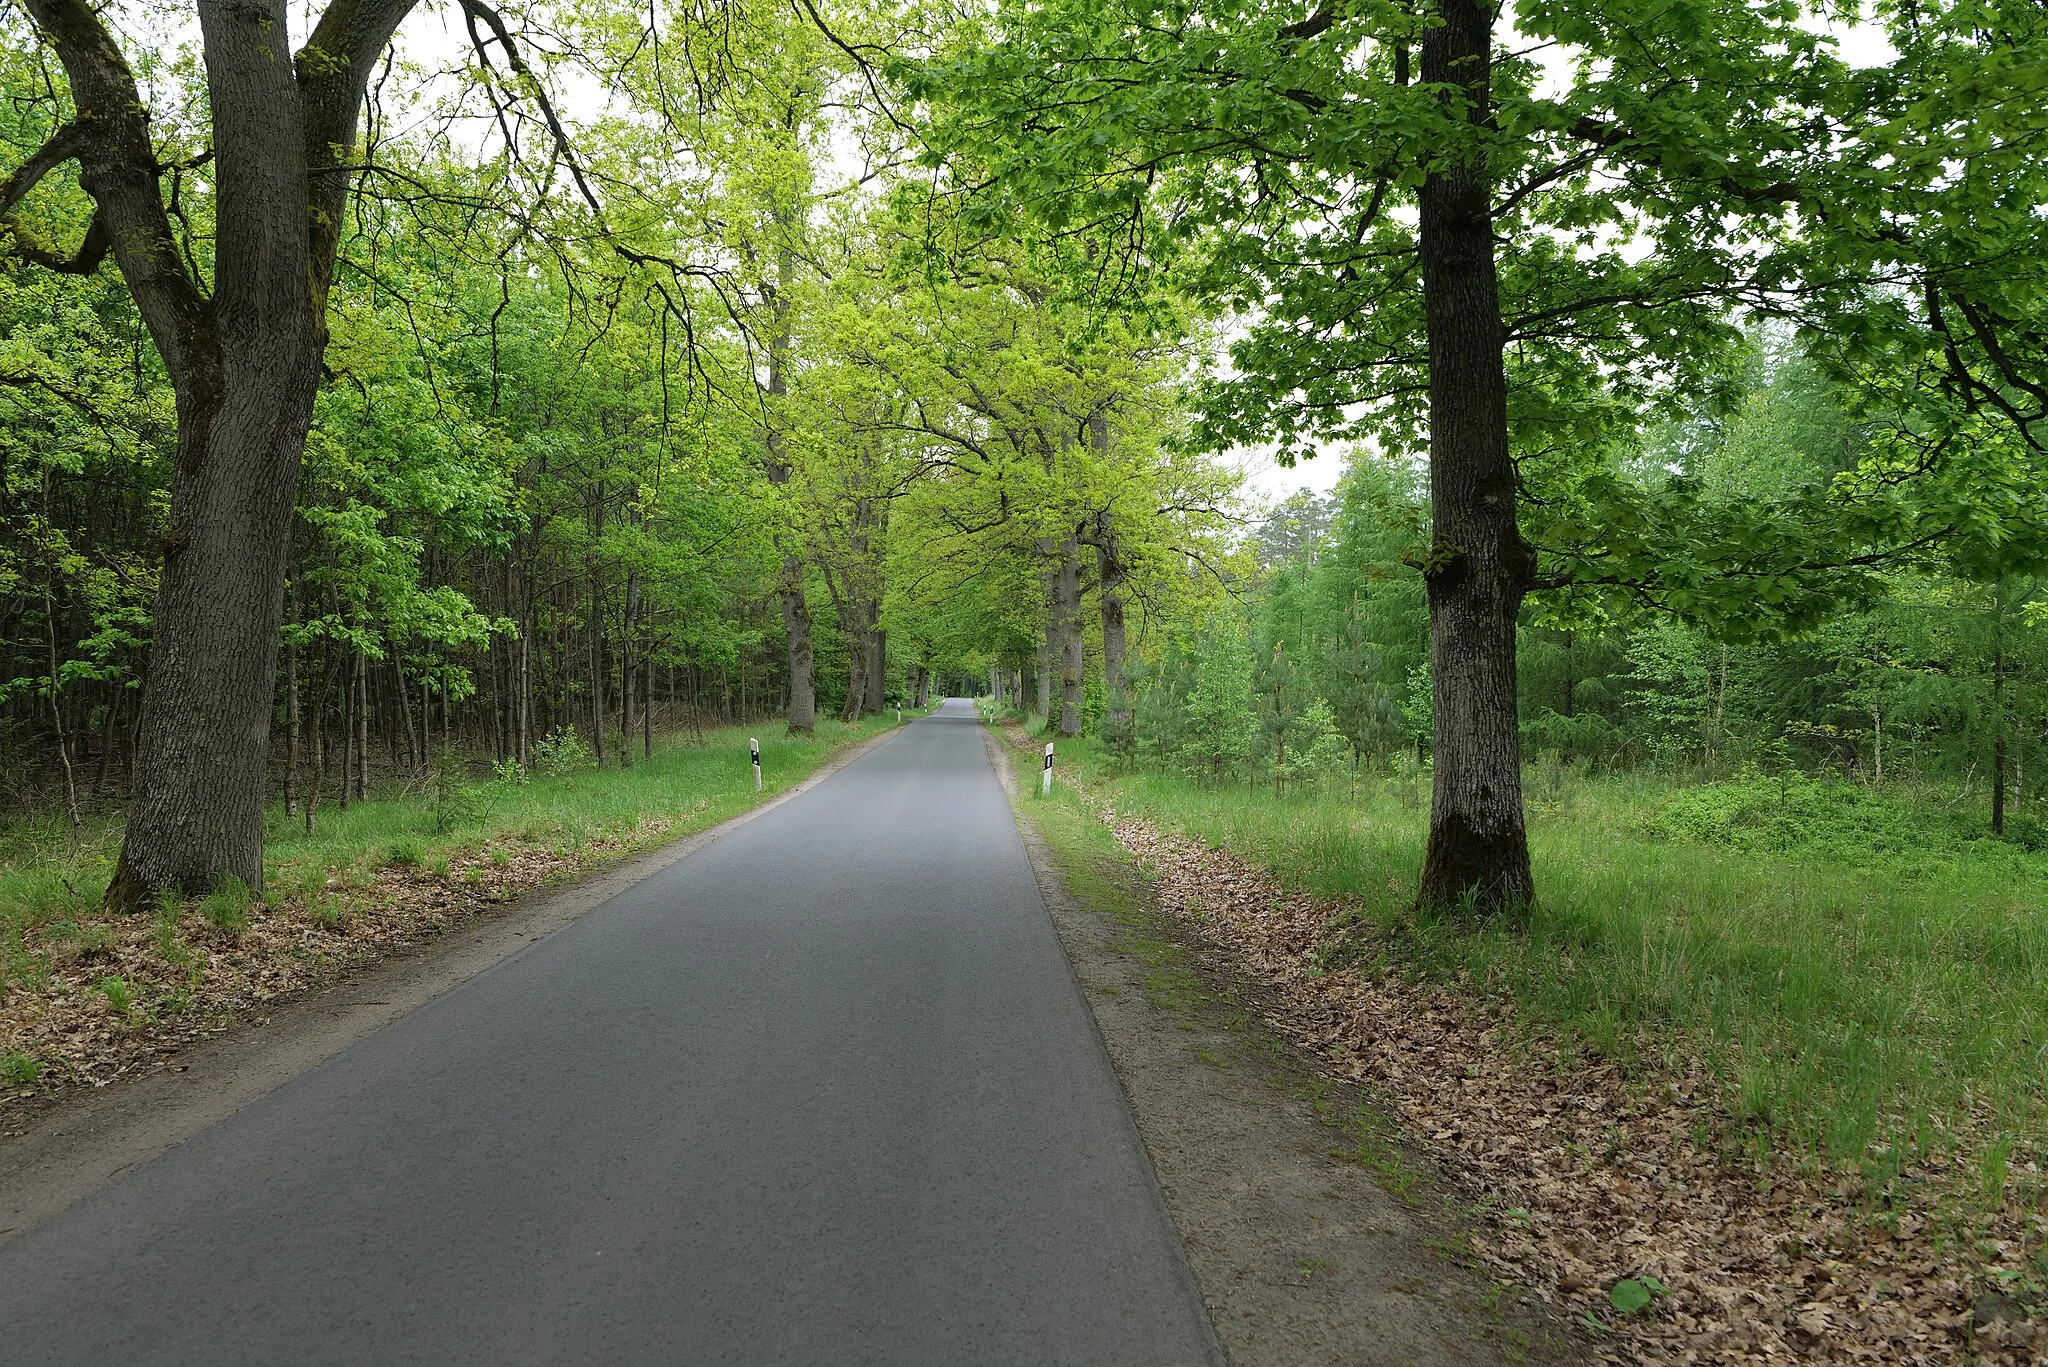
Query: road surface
[[822, 1092]]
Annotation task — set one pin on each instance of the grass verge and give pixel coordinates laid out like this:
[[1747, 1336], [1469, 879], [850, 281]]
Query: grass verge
[[1594, 1068], [1202, 989], [1102, 875], [1869, 1011]]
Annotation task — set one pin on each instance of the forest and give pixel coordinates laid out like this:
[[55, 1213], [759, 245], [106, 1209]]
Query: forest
[[404, 408]]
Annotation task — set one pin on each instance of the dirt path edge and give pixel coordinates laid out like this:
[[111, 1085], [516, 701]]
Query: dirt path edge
[[1277, 1178]]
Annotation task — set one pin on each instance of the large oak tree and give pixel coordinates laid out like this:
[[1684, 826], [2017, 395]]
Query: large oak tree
[[1494, 235], [243, 352]]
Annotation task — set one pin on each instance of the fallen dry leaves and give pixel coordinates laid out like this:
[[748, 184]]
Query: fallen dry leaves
[[194, 980], [1590, 1176]]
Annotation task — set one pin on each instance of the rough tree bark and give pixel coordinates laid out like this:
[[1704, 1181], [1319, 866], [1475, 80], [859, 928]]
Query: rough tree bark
[[1049, 646], [244, 365], [1111, 575], [856, 666], [796, 604], [796, 628], [878, 660], [1478, 568], [291, 719], [1068, 614]]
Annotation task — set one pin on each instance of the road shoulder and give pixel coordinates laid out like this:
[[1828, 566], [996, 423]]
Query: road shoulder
[[1314, 1235]]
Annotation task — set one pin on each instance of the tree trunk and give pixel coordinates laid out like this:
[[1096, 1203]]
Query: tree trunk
[[1049, 647], [796, 630], [348, 729], [244, 364], [57, 709], [197, 814], [597, 641], [628, 670], [596, 697], [110, 740], [1478, 568], [291, 718], [1998, 785], [520, 710], [878, 661], [796, 606], [1998, 711], [856, 667], [362, 726], [415, 740], [1112, 575], [1069, 613], [319, 776], [1571, 677]]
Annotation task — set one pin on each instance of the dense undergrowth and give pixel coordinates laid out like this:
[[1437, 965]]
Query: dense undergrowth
[[1865, 972]]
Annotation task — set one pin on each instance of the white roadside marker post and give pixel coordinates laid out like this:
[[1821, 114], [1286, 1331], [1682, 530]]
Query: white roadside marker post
[[1045, 783], [754, 745]]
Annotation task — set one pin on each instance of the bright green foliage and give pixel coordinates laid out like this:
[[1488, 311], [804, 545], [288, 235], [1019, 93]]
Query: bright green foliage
[[1633, 1294], [1278, 698], [1636, 214], [1219, 723], [1857, 1003], [1321, 752]]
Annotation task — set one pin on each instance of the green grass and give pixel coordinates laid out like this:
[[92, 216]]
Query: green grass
[[51, 879], [1099, 873], [1861, 1001]]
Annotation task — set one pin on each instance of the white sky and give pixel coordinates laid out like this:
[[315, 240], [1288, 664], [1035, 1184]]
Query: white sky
[[1265, 480]]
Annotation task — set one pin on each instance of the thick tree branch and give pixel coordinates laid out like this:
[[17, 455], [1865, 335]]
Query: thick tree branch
[[118, 169], [92, 250], [64, 144], [475, 11], [333, 71], [1314, 26]]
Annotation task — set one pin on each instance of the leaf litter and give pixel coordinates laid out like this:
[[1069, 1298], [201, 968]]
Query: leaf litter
[[1612, 1193]]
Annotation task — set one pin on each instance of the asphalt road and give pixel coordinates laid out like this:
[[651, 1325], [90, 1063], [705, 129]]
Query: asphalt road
[[824, 1091]]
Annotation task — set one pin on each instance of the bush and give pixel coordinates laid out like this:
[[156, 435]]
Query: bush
[[1222, 724], [1317, 750], [452, 801], [1791, 811], [119, 993], [562, 752]]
